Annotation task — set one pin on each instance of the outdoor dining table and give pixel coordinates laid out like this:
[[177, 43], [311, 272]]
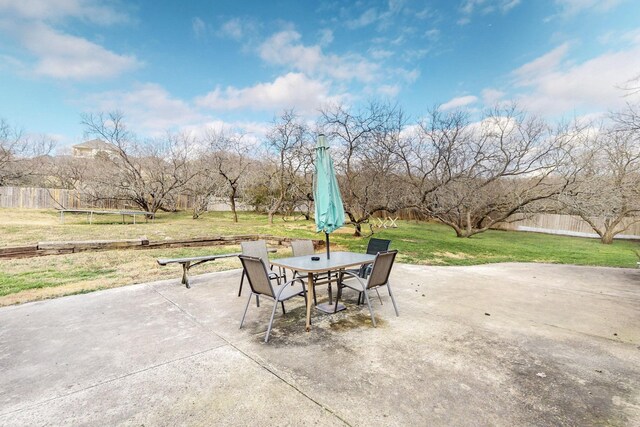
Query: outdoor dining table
[[305, 264]]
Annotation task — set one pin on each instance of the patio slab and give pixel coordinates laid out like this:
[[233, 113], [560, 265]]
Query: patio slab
[[501, 344]]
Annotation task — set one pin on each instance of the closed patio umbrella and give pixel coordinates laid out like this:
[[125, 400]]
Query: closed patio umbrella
[[326, 193]]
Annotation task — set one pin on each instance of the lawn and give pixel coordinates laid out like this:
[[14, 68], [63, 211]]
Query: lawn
[[31, 279]]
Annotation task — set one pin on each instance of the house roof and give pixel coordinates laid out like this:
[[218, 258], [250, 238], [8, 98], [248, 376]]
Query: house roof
[[95, 144]]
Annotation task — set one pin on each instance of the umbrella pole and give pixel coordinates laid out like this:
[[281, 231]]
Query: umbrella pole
[[327, 243]]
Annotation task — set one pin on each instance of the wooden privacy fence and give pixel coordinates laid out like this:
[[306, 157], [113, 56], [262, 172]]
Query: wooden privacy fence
[[60, 198], [570, 225]]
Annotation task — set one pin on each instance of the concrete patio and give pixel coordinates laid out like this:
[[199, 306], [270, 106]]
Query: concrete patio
[[506, 344]]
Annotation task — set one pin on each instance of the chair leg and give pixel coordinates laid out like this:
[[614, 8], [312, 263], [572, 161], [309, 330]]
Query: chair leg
[[315, 298], [283, 310], [338, 295], [241, 281], [379, 297], [393, 300], [245, 310], [257, 300], [366, 297], [273, 313]]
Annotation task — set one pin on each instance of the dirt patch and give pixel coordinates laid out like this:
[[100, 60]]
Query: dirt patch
[[453, 255]]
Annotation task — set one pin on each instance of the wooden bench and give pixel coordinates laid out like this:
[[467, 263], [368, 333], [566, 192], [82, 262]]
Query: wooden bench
[[189, 262]]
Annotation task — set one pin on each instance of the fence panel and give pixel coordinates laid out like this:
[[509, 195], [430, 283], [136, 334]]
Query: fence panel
[[571, 225], [58, 198]]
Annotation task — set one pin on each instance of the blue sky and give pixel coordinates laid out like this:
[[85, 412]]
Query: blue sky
[[170, 65]]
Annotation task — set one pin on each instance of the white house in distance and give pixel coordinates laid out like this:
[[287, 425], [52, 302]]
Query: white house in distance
[[93, 148]]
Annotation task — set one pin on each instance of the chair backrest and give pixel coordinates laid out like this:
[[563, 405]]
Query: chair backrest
[[378, 245], [302, 247], [256, 271], [256, 248], [381, 269]]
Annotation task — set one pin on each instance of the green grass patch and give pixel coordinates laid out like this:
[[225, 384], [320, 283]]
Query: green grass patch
[[46, 277], [417, 243]]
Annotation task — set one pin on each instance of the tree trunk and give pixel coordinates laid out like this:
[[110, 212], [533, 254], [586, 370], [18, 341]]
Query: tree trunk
[[607, 237], [232, 202], [275, 208], [358, 229]]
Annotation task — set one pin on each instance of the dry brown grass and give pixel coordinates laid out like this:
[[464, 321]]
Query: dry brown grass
[[117, 268], [31, 279]]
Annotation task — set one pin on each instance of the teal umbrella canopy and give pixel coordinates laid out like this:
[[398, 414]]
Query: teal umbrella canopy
[[326, 193]]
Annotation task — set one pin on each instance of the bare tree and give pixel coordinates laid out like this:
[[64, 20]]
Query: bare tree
[[20, 154], [362, 157], [285, 141], [632, 86], [607, 192], [206, 183], [471, 176], [628, 119], [231, 158], [149, 175]]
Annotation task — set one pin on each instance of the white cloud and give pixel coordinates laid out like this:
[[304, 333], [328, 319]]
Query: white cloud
[[326, 37], [154, 111], [573, 7], [199, 27], [55, 10], [549, 61], [149, 106], [409, 76], [284, 48], [614, 38], [484, 7], [293, 90], [34, 25], [506, 6], [492, 96], [251, 132], [380, 53], [64, 56], [232, 29], [432, 34], [559, 87], [368, 17], [458, 102], [389, 90]]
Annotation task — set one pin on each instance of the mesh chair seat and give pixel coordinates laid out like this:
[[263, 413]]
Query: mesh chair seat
[[260, 283], [258, 248], [379, 277], [373, 247]]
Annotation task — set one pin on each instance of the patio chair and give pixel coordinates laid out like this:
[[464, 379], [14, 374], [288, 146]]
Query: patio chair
[[258, 248], [379, 277], [305, 248], [373, 247], [261, 284]]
